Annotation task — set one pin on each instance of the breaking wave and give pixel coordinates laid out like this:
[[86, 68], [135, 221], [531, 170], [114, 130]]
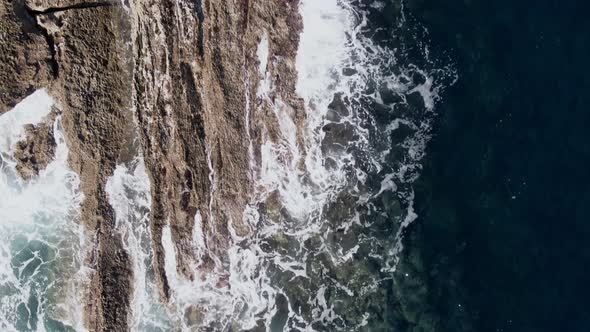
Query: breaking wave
[[42, 245]]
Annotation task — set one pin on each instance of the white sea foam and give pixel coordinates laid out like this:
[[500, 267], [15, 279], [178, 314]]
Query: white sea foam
[[322, 51], [128, 191], [321, 55], [263, 53], [217, 301], [29, 111], [40, 237]]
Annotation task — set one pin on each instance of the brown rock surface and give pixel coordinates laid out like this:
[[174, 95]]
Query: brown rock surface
[[81, 53], [94, 88], [45, 6], [25, 58], [195, 63], [37, 150]]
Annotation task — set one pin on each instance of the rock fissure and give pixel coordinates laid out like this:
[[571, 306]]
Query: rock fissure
[[82, 5]]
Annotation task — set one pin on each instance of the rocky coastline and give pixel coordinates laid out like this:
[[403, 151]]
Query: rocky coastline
[[173, 80]]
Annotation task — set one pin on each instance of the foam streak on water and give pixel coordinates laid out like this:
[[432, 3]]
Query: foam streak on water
[[42, 245]]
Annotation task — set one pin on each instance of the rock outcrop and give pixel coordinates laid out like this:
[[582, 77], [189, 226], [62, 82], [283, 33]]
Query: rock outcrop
[[37, 150], [82, 54], [180, 76], [26, 62], [94, 88], [196, 79]]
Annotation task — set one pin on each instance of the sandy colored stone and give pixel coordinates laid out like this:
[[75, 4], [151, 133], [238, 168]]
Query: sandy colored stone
[[93, 86], [26, 61], [196, 65], [37, 150]]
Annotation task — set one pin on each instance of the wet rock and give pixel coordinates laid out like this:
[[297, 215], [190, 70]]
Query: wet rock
[[403, 132], [415, 100], [382, 112], [404, 80], [273, 206], [341, 210], [389, 97], [348, 71], [371, 87], [330, 163], [37, 150], [194, 315], [411, 290], [391, 205], [401, 110], [418, 78], [338, 136], [338, 106], [333, 116], [280, 319]]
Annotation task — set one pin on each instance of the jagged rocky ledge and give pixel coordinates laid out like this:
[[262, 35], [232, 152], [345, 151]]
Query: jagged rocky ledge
[[170, 80]]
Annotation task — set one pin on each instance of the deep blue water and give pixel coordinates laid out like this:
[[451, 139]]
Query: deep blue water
[[504, 198]]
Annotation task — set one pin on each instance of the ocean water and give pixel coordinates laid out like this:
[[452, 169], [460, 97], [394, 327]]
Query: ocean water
[[504, 197], [42, 246]]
